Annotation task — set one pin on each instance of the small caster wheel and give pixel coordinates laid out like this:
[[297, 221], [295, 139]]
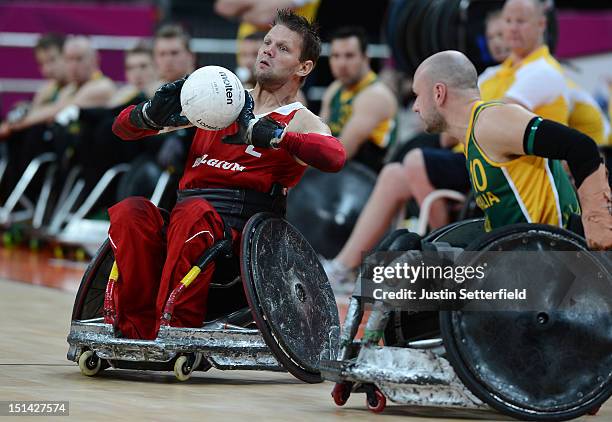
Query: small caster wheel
[[341, 393], [90, 364], [376, 401], [594, 411], [185, 365]]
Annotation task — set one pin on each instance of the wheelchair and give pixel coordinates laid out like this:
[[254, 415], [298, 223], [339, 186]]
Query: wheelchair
[[549, 361], [271, 308]]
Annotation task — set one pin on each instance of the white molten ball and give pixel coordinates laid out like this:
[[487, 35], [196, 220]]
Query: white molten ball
[[212, 97]]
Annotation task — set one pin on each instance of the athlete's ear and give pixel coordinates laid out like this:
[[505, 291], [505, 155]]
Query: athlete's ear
[[439, 93], [305, 68]]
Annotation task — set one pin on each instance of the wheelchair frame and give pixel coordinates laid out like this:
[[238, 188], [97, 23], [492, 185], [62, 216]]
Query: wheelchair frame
[[220, 343], [434, 372]]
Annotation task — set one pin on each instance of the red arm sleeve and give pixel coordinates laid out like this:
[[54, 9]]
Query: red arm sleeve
[[123, 127], [323, 152]]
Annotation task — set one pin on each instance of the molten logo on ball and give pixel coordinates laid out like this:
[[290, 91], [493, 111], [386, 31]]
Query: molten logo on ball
[[228, 88], [212, 97]]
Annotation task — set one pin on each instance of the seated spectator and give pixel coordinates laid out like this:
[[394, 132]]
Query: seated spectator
[[140, 74], [585, 114], [87, 86], [48, 54], [172, 53], [246, 58], [173, 59], [101, 149], [422, 171], [358, 108]]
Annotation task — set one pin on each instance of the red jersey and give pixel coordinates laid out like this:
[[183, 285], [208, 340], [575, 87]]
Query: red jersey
[[213, 164]]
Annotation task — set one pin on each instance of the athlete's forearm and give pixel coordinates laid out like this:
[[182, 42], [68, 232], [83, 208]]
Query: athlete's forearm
[[549, 139], [126, 130], [323, 152]]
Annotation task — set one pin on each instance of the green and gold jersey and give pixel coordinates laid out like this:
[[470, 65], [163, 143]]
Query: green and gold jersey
[[383, 136], [527, 189]]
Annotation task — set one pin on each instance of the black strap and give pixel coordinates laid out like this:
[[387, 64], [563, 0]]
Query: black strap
[[236, 206]]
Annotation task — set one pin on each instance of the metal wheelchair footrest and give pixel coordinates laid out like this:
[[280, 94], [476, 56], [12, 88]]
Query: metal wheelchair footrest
[[224, 349], [406, 376]]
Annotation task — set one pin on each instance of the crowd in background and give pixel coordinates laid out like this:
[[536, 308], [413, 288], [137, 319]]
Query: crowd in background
[[72, 113]]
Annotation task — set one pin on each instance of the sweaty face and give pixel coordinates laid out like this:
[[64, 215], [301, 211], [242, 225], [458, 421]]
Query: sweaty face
[[523, 26], [346, 60], [139, 70], [172, 59], [51, 63], [495, 39], [278, 58], [424, 104], [80, 61]]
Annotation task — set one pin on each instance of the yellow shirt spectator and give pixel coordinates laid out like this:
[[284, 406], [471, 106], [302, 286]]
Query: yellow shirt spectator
[[585, 115], [537, 83]]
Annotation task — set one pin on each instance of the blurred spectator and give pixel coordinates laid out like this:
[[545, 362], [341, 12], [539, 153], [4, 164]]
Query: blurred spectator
[[172, 54], [173, 59], [421, 171], [359, 109], [247, 56], [100, 148], [585, 114], [87, 86], [257, 15], [494, 32], [48, 54], [530, 76], [140, 74]]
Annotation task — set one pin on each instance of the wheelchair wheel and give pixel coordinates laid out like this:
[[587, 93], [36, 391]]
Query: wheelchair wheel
[[325, 206], [289, 295], [459, 234], [548, 364], [404, 326], [89, 302]]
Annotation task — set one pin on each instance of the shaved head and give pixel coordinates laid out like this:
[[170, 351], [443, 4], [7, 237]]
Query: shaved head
[[79, 44], [524, 26], [81, 59], [442, 80], [451, 68], [536, 7]]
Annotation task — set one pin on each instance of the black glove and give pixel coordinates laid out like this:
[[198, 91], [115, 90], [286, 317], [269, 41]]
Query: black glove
[[162, 110], [265, 132]]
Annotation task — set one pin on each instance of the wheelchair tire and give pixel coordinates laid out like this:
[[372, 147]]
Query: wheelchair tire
[[289, 296], [511, 360], [89, 301], [404, 326]]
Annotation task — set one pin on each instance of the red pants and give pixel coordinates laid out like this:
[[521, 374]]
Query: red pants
[[151, 264]]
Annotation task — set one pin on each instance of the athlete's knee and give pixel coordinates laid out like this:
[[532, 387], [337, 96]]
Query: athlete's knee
[[390, 175], [414, 162], [196, 217], [135, 212]]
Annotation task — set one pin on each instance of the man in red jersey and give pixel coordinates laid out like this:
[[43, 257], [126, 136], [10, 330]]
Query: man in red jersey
[[230, 175]]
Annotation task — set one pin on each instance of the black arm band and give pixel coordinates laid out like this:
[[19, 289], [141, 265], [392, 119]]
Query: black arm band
[[549, 139]]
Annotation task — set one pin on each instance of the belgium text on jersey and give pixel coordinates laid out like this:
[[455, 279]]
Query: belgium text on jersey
[[220, 164]]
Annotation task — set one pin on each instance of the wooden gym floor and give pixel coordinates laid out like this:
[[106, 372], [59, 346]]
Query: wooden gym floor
[[36, 296]]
